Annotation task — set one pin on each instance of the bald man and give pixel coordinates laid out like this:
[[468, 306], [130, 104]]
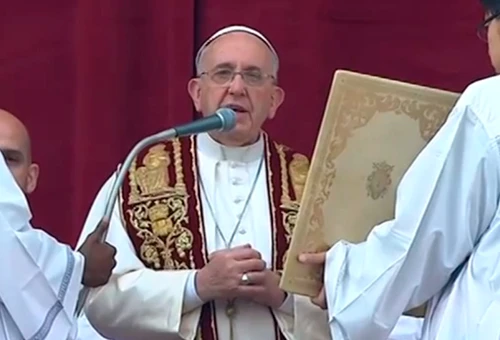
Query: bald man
[[15, 145], [38, 297]]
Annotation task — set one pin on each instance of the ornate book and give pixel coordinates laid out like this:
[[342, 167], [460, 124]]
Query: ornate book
[[372, 130]]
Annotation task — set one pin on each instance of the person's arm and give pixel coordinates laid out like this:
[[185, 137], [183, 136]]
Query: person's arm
[[41, 277], [407, 328], [285, 315], [138, 301], [445, 202]]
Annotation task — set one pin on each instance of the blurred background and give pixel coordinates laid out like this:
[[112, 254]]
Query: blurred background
[[90, 78]]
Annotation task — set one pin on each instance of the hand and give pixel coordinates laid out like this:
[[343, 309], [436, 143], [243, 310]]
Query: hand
[[317, 259], [263, 288], [99, 257], [221, 277]]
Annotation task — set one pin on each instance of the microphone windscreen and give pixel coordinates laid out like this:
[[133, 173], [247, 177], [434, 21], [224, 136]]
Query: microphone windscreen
[[228, 117]]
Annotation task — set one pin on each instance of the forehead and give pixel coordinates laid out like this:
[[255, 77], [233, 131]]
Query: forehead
[[239, 49], [12, 137]]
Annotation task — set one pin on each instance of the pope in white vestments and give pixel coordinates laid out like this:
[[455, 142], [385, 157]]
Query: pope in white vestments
[[41, 277], [224, 202], [203, 224], [443, 244]]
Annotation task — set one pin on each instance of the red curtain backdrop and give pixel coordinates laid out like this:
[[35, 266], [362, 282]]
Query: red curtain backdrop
[[91, 77]]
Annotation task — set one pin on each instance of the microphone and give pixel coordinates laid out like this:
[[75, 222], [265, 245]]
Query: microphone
[[224, 119]]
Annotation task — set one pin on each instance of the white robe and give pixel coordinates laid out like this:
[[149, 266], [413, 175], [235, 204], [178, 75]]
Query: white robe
[[444, 243], [140, 302], [41, 278]]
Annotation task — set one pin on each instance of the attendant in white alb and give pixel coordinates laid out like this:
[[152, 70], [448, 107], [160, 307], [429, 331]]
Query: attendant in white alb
[[443, 244], [43, 278]]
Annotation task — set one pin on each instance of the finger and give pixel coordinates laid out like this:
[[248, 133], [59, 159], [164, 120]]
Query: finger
[[225, 251], [252, 265], [250, 292], [245, 254], [320, 300], [243, 246], [101, 229], [111, 248], [256, 278], [311, 258]]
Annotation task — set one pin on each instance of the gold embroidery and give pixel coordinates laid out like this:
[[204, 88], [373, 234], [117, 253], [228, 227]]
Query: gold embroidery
[[199, 212], [299, 167], [379, 180], [158, 211], [271, 189], [152, 177], [179, 176]]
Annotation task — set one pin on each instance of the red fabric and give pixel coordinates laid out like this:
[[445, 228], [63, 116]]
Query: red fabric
[[91, 77]]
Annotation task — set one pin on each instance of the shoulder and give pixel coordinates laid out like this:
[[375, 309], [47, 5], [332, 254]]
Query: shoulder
[[481, 102]]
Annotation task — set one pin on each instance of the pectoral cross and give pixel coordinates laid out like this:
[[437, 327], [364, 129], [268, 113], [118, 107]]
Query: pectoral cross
[[230, 312]]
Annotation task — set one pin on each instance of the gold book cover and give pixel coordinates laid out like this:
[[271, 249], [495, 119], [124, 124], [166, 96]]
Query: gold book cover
[[372, 130]]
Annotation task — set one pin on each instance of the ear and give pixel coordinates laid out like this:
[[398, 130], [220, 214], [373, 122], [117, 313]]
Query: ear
[[277, 99], [194, 89], [32, 181]]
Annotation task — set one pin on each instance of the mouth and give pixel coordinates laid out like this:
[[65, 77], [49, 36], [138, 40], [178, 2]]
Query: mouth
[[236, 108]]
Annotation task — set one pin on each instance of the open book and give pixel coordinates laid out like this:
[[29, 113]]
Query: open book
[[372, 130]]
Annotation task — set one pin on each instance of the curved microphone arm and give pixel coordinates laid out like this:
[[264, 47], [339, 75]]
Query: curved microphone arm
[[223, 120], [122, 172]]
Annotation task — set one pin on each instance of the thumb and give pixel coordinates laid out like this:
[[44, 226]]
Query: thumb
[[101, 229], [317, 258], [243, 246]]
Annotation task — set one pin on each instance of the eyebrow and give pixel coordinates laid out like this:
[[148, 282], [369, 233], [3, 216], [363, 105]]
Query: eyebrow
[[232, 66]]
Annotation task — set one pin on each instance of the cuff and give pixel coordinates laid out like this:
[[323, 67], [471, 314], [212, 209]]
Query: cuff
[[191, 298], [288, 305]]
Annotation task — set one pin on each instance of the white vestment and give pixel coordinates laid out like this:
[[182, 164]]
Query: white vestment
[[443, 245], [41, 278], [144, 303]]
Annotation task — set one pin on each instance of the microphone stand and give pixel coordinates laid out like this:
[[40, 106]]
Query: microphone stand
[[223, 119], [122, 172]]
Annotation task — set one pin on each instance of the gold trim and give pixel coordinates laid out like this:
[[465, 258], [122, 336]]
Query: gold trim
[[270, 193], [179, 176], [201, 224]]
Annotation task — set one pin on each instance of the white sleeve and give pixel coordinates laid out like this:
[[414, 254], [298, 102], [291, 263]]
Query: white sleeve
[[407, 328], [444, 204], [42, 276]]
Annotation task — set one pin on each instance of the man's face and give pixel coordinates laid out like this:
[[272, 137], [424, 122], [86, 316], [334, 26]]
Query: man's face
[[14, 145], [494, 43], [255, 99]]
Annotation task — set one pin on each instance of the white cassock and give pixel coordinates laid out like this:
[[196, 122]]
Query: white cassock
[[41, 278], [443, 245], [140, 302]]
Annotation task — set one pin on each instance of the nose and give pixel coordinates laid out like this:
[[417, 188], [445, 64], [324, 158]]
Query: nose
[[237, 85]]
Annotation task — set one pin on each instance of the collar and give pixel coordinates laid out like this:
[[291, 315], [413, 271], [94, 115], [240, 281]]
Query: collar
[[244, 154]]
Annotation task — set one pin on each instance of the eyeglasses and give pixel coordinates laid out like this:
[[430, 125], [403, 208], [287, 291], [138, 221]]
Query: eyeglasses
[[482, 29], [224, 76]]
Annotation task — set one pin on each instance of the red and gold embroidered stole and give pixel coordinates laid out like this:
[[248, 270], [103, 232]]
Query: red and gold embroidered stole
[[162, 211]]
